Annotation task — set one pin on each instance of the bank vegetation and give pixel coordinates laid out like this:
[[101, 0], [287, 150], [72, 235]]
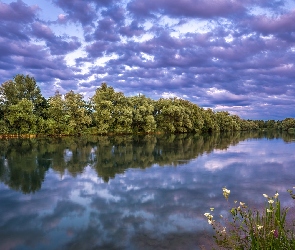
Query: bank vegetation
[[24, 111]]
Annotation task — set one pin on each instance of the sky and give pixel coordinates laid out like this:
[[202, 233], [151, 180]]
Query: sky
[[230, 55]]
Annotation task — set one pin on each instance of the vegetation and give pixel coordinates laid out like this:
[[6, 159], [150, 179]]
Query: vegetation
[[254, 229], [23, 110]]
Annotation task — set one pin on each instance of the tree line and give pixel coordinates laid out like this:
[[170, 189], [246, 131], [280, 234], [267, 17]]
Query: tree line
[[24, 110]]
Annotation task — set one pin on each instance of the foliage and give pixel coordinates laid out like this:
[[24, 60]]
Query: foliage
[[57, 120], [23, 109], [143, 119], [254, 229], [112, 111], [23, 87], [21, 117], [288, 123], [75, 111]]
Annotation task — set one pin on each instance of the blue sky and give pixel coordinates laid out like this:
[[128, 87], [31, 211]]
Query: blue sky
[[222, 54]]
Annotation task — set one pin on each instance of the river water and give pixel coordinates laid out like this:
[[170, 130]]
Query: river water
[[134, 192]]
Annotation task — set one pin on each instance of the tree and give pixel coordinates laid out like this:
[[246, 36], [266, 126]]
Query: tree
[[21, 117], [192, 120], [57, 118], [288, 123], [142, 114], [225, 121], [22, 87], [75, 111], [210, 124], [112, 111]]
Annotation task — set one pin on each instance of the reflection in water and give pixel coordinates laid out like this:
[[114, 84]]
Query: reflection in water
[[24, 162], [115, 193]]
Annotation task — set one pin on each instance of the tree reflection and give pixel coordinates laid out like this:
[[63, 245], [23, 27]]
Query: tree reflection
[[21, 168], [24, 162]]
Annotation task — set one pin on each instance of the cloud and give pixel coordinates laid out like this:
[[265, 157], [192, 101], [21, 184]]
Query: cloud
[[155, 47], [218, 96], [188, 8], [18, 12], [269, 25], [77, 11], [132, 30]]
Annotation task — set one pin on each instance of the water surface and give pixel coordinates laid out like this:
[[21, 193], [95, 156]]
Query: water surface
[[125, 192]]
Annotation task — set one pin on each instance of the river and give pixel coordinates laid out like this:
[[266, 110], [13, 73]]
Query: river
[[134, 192]]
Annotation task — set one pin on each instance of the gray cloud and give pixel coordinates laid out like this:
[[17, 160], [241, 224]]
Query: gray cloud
[[199, 8], [231, 46]]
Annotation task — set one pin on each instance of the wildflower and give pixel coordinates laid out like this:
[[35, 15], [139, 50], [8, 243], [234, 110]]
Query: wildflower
[[276, 233], [221, 216], [271, 201], [265, 195], [259, 227], [209, 216], [242, 203], [276, 195], [211, 208], [226, 192], [269, 210], [235, 201], [224, 230]]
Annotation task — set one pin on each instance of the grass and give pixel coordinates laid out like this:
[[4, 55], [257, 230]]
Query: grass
[[254, 229]]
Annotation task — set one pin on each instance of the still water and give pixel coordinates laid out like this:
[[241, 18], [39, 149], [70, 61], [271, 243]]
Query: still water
[[126, 192]]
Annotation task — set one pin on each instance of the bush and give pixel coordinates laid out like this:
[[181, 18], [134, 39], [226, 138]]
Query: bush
[[254, 229]]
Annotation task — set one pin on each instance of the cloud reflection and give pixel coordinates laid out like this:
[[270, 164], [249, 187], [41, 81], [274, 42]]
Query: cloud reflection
[[158, 207]]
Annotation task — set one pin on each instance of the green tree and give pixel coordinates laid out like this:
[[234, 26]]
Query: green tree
[[173, 115], [21, 117], [112, 111], [225, 121], [102, 106], [57, 117], [210, 124], [193, 120], [75, 111], [142, 114], [288, 123], [23, 87]]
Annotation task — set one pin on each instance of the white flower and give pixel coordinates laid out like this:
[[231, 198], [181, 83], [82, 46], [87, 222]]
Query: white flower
[[271, 201], [268, 210], [265, 195], [259, 227], [209, 216], [211, 208], [242, 203], [276, 195], [227, 191]]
